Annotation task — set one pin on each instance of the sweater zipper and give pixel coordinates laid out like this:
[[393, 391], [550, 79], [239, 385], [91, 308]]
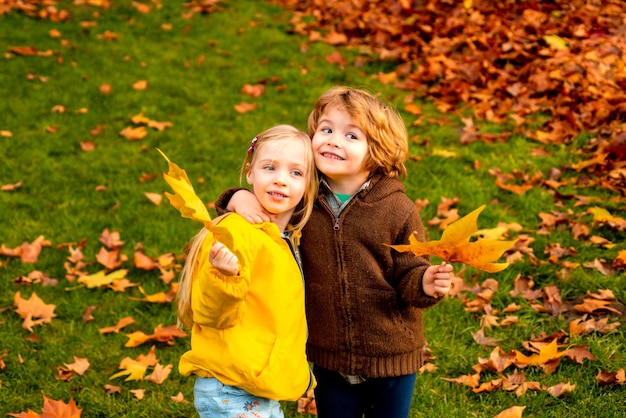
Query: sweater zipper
[[343, 286]]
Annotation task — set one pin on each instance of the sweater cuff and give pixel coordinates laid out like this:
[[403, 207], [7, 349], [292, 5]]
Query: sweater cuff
[[221, 203]]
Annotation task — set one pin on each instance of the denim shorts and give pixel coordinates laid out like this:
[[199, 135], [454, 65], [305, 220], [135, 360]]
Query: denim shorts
[[213, 399]]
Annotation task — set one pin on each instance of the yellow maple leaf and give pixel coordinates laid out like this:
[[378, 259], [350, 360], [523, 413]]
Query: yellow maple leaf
[[547, 353], [184, 198], [101, 278], [136, 369], [455, 245], [188, 203], [133, 369]]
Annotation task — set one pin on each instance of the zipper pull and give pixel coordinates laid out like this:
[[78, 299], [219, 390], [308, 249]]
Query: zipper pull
[[336, 227]]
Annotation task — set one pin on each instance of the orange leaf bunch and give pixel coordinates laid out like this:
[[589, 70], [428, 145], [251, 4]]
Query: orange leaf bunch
[[455, 245]]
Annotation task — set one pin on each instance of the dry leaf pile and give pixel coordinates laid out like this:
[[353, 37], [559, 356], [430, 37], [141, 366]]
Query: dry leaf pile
[[502, 62]]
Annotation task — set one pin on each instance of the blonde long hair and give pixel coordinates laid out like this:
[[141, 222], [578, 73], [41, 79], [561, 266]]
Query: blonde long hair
[[299, 218], [387, 136]]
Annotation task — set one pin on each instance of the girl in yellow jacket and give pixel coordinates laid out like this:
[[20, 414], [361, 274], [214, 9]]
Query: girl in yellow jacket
[[244, 300]]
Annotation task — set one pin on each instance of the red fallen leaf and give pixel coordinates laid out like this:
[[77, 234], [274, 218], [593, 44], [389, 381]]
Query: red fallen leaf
[[111, 259], [336, 58], [111, 240], [105, 88], [166, 335], [143, 261], [428, 368], [605, 378], [560, 389], [37, 277], [159, 126], [140, 85], [167, 275], [79, 366], [512, 412], [141, 8], [579, 353], [481, 339], [489, 386], [30, 252], [159, 297], [33, 310], [306, 404], [498, 361], [255, 90], [580, 327], [594, 305], [147, 177], [138, 393], [472, 380], [111, 389], [244, 107], [155, 198], [335, 38], [23, 50], [134, 134], [120, 324], [87, 146], [108, 36], [413, 109], [11, 187], [87, 316], [178, 398], [159, 374]]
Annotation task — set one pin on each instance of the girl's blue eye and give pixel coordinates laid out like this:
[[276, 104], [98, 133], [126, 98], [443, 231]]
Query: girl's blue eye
[[297, 173], [327, 130], [268, 167], [352, 136]]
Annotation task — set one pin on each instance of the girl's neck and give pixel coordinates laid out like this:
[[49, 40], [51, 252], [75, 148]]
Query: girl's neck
[[282, 220]]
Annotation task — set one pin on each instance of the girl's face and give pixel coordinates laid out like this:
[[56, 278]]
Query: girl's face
[[340, 149], [278, 175]]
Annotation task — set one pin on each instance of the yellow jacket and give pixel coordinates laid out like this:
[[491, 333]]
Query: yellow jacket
[[250, 330]]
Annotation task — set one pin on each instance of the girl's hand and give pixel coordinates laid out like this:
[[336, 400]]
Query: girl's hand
[[437, 280], [224, 260], [248, 206]]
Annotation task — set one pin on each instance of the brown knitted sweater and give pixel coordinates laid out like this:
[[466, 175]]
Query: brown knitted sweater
[[364, 300]]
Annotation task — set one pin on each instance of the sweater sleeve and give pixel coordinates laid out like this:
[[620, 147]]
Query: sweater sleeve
[[411, 268], [218, 300], [221, 203]]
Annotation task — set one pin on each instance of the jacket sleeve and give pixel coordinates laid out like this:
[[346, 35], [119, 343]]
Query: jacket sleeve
[[409, 267], [217, 300], [221, 203]]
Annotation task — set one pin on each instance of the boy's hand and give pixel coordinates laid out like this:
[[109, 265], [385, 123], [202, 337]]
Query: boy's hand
[[224, 260], [437, 280], [248, 206]]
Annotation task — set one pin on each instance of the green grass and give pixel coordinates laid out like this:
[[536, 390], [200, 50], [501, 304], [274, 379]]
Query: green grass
[[195, 73]]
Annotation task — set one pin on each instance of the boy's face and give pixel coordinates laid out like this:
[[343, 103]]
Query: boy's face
[[340, 149]]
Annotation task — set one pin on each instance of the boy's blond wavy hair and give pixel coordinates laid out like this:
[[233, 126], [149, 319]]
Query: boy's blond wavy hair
[[386, 132], [300, 216]]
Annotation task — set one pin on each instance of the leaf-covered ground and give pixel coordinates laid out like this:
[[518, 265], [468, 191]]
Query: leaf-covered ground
[[544, 81]]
